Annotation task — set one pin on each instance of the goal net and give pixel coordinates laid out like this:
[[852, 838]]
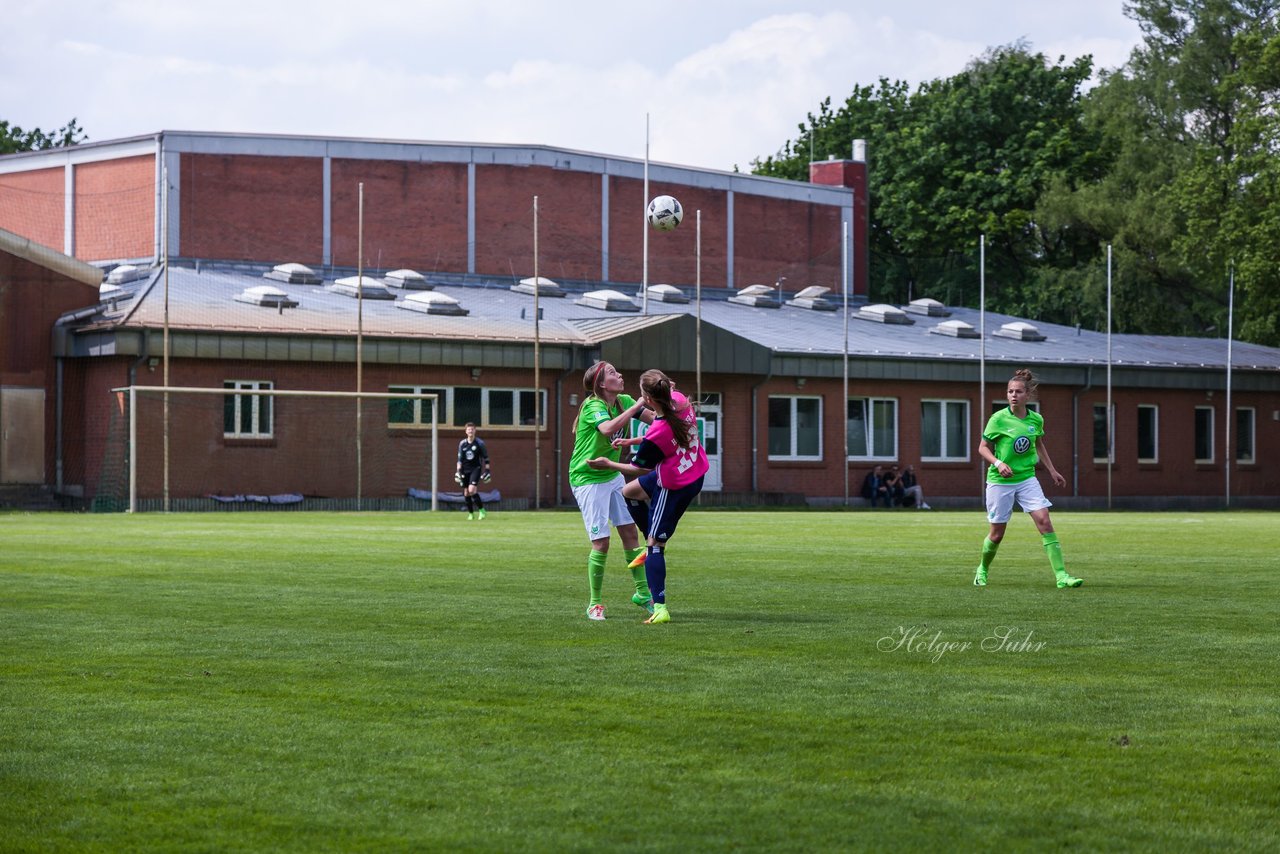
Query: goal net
[[249, 446]]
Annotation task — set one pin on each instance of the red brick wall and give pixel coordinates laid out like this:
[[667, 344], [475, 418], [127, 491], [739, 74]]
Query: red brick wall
[[1176, 473], [250, 208], [852, 174], [32, 205], [672, 255], [767, 231], [568, 222], [415, 214], [116, 209]]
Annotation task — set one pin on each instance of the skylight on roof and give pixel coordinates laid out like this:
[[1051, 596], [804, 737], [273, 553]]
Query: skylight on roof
[[758, 296], [293, 274], [408, 280], [1019, 330], [126, 273], [928, 307], [266, 295], [665, 293], [955, 329], [884, 313], [366, 287], [542, 286], [432, 302], [608, 300], [812, 298]]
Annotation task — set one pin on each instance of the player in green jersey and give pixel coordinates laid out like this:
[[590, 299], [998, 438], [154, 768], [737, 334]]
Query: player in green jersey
[[604, 417], [1013, 442]]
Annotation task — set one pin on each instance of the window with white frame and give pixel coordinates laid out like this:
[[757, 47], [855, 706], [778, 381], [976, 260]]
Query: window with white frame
[[795, 428], [871, 428], [1148, 433], [1204, 434], [247, 416], [416, 411], [944, 430], [1246, 418], [458, 405], [1102, 431]]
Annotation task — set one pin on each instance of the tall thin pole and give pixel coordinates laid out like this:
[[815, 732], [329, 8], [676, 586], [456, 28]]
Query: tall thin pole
[[1107, 418], [644, 221], [844, 264], [982, 347], [1231, 310], [164, 212], [359, 345], [697, 286], [537, 374], [133, 449]]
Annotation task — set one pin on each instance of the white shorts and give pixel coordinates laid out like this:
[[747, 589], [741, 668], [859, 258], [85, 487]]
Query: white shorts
[[602, 504], [1000, 498]]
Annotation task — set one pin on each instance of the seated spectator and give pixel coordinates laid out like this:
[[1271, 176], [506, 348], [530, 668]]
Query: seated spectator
[[912, 493], [893, 486], [873, 488]]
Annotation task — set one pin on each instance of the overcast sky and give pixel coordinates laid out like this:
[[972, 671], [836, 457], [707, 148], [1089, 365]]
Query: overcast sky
[[723, 81]]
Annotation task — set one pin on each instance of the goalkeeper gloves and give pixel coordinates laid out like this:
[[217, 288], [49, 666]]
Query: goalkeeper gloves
[[487, 476], [457, 476]]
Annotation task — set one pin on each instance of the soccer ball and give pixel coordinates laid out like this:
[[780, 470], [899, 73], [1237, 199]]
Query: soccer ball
[[665, 213]]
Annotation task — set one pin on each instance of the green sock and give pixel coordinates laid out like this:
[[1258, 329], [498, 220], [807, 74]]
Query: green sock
[[637, 573], [595, 575], [988, 552], [1054, 549]]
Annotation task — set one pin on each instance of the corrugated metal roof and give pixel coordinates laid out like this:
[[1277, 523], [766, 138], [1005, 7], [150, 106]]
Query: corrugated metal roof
[[204, 300]]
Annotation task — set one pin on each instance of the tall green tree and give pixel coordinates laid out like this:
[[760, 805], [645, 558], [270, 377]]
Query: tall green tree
[[956, 158], [1191, 124], [14, 139]]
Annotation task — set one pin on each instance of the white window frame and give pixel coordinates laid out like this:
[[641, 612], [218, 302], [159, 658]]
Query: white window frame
[[1111, 435], [793, 399], [869, 404], [1253, 436], [1155, 433], [441, 402], [947, 455], [254, 402], [448, 406], [1213, 449]]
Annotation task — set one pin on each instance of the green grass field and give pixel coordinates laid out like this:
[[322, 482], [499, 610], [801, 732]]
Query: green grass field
[[414, 681]]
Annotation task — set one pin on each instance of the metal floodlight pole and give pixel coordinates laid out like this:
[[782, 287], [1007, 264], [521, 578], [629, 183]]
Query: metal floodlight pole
[[848, 281], [1231, 308], [133, 449], [164, 212], [982, 349], [644, 223], [537, 373], [697, 286], [359, 345], [1109, 419]]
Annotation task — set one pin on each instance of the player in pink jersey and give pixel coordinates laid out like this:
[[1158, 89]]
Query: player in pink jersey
[[670, 466]]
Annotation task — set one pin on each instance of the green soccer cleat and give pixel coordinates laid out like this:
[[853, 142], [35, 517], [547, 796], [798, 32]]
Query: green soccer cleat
[[471, 517], [980, 577], [643, 601], [1066, 580], [660, 615], [483, 513]]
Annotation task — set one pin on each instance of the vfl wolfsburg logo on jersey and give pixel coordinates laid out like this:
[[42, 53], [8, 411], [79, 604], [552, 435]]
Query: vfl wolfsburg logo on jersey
[[1021, 444]]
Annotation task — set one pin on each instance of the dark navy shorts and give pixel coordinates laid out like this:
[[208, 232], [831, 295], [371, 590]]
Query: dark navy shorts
[[668, 505]]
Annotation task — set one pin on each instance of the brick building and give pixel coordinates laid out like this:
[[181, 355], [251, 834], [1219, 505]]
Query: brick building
[[235, 214]]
